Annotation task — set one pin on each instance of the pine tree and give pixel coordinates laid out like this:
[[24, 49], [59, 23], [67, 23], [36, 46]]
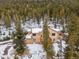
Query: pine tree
[[18, 39], [72, 38], [7, 18], [47, 43]]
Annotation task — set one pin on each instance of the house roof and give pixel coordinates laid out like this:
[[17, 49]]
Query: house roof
[[28, 30], [36, 30], [56, 29], [28, 36]]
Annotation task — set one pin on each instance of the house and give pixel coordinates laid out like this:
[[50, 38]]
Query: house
[[35, 35], [55, 35]]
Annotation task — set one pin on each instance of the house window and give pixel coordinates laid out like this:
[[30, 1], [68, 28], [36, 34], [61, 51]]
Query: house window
[[53, 34], [34, 34]]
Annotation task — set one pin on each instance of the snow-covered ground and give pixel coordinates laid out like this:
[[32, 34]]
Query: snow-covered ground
[[9, 41], [3, 50], [36, 51]]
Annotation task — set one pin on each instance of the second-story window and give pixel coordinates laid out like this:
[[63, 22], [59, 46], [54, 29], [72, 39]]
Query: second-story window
[[53, 34]]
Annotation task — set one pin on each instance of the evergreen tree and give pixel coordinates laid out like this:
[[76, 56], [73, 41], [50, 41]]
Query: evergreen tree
[[72, 38], [7, 18], [47, 43], [18, 39]]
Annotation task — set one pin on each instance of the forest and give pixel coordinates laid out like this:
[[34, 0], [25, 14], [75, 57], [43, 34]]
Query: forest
[[65, 12]]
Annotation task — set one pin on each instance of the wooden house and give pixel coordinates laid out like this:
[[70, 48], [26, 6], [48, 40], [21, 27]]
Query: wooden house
[[36, 35]]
